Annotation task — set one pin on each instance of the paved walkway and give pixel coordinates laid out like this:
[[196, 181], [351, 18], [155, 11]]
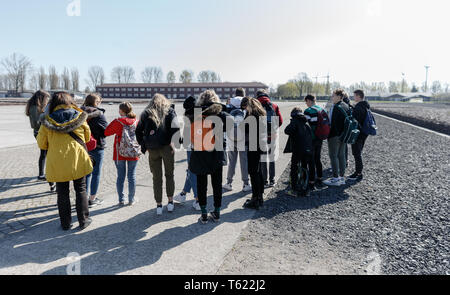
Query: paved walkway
[[120, 240]]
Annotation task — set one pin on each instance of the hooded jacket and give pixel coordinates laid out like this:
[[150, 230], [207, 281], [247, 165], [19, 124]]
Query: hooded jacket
[[360, 112], [97, 122], [207, 162], [35, 121], [338, 119], [265, 100], [67, 160], [115, 128], [300, 135]]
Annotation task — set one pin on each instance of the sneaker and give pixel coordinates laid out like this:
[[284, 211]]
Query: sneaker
[[252, 204], [86, 224], [272, 183], [342, 180], [67, 228], [355, 176], [196, 206], [159, 210], [170, 207], [121, 203], [132, 202], [214, 216], [266, 184], [333, 182], [180, 198], [53, 188], [319, 184], [42, 178], [203, 219], [247, 188], [228, 187], [95, 202]]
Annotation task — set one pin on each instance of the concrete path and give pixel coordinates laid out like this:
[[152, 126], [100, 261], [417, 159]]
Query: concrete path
[[129, 240]]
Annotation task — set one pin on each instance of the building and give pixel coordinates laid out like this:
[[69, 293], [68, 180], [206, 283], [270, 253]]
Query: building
[[175, 90]]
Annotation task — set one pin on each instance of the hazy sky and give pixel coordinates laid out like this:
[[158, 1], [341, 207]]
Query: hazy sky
[[244, 40]]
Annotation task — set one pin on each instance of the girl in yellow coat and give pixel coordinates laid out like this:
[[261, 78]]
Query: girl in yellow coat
[[67, 159]]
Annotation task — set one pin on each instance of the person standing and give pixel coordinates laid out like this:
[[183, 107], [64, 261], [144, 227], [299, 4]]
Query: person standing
[[272, 111], [336, 147], [191, 179], [238, 115], [154, 133], [359, 113], [64, 134], [34, 109], [97, 122], [127, 121], [254, 151]]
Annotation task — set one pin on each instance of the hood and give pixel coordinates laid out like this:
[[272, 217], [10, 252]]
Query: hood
[[264, 99], [93, 112], [236, 101], [127, 121], [363, 104], [212, 109], [64, 119], [300, 116]]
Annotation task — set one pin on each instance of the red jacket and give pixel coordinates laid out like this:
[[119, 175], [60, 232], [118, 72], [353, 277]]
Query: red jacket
[[264, 100], [115, 128]]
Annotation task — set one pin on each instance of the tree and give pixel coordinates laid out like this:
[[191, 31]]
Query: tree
[[204, 77], [288, 90], [123, 74], [53, 78], [436, 87], [303, 83], [65, 79], [152, 75], [34, 81], [171, 78], [75, 80], [186, 76], [96, 77], [393, 87], [414, 89], [42, 78], [17, 66]]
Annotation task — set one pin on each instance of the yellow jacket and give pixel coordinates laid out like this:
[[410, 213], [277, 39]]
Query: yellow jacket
[[67, 160]]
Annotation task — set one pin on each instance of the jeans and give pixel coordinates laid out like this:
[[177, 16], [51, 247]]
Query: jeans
[[121, 173], [232, 157], [156, 159], [64, 208], [202, 186], [357, 149], [191, 179], [93, 179], [42, 158], [336, 149]]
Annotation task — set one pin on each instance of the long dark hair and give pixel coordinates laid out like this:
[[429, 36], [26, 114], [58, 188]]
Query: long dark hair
[[40, 99], [60, 98]]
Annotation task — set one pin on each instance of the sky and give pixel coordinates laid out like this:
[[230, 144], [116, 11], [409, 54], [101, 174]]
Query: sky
[[269, 41]]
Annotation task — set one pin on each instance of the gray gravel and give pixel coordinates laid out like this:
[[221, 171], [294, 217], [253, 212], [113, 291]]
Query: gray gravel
[[396, 221]]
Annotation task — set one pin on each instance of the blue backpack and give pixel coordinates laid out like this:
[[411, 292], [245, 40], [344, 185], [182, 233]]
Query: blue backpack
[[370, 126]]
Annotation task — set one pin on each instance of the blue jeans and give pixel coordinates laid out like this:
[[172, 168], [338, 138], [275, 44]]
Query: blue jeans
[[93, 179], [191, 179], [121, 173]]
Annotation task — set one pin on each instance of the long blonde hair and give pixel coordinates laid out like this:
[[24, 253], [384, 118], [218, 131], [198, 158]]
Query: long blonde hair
[[254, 107], [158, 108], [208, 96]]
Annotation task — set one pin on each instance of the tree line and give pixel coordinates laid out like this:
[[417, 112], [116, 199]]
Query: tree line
[[20, 74]]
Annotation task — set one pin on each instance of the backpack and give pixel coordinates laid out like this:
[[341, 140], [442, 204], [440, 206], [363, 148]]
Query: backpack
[[303, 180], [202, 135], [270, 112], [351, 131], [128, 147], [370, 126], [238, 117], [323, 124]]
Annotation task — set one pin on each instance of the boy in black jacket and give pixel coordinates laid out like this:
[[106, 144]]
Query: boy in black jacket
[[301, 147]]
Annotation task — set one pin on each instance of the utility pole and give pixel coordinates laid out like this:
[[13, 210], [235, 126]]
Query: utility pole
[[426, 79], [403, 82]]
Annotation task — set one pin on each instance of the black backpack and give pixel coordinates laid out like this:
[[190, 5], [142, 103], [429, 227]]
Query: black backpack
[[154, 136], [270, 112]]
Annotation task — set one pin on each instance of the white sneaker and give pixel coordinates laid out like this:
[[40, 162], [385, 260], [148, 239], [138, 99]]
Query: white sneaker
[[342, 180], [170, 207], [247, 188], [180, 198], [333, 182], [196, 206], [159, 210], [228, 187]]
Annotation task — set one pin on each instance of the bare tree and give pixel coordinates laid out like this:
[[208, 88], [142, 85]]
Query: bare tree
[[124, 74], [17, 66], [75, 80], [65, 79], [204, 77], [42, 78], [147, 75], [34, 81], [96, 77], [436, 87], [53, 78], [186, 76], [158, 75], [171, 78], [303, 83]]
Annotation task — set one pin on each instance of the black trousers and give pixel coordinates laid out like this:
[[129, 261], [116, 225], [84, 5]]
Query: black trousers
[[202, 188], [317, 168], [357, 150], [42, 158], [255, 170], [64, 207], [306, 162]]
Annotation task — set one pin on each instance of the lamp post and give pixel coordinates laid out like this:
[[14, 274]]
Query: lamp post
[[426, 79]]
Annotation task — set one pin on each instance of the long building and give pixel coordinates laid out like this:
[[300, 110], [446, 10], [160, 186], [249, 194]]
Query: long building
[[175, 90]]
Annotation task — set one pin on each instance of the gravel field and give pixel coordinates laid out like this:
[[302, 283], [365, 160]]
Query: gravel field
[[396, 221], [432, 116]]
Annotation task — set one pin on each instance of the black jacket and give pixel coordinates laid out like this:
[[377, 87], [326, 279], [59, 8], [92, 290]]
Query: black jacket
[[300, 136], [97, 122], [360, 112], [338, 119], [164, 132], [207, 162]]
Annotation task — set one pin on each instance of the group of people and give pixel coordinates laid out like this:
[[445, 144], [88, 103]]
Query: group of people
[[72, 142]]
